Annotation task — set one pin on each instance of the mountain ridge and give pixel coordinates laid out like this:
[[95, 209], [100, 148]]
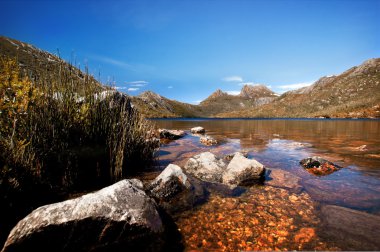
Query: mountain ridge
[[353, 93]]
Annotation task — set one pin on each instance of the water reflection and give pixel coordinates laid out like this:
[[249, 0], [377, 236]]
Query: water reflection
[[280, 145]]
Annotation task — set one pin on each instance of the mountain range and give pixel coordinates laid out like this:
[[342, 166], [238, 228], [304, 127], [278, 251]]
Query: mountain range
[[354, 93]]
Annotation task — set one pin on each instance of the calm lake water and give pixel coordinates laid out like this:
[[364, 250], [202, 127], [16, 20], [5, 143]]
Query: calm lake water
[[270, 217]]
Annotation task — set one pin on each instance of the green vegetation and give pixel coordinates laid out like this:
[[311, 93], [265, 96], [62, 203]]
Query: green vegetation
[[60, 133]]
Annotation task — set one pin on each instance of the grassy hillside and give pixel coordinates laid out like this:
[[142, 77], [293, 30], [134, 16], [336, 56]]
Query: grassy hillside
[[354, 93]]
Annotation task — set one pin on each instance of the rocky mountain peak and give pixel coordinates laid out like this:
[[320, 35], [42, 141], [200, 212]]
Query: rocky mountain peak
[[216, 94], [257, 91]]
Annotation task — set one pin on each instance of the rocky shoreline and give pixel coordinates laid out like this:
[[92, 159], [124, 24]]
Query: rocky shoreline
[[146, 217]]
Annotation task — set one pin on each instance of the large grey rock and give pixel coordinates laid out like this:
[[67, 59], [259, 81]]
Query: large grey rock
[[352, 229], [243, 171], [198, 130], [175, 191], [115, 218], [169, 183], [171, 134], [206, 167]]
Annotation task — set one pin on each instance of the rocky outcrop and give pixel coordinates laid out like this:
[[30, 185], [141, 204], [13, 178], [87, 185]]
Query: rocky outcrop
[[115, 218], [198, 130], [283, 179], [171, 134], [206, 166], [257, 91], [319, 166], [175, 191], [243, 171], [355, 230], [207, 140]]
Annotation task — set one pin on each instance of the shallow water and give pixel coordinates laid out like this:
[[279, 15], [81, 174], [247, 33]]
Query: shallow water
[[268, 217]]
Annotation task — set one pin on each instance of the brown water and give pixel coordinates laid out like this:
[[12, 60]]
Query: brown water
[[268, 217]]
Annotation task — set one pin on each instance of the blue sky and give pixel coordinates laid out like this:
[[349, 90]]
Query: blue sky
[[185, 50]]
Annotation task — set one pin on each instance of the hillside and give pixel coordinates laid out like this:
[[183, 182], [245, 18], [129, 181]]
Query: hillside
[[154, 105], [354, 93], [39, 64]]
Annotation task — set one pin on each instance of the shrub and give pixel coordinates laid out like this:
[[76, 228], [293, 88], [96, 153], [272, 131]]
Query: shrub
[[63, 129]]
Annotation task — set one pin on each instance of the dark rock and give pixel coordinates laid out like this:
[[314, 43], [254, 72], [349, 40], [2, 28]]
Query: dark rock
[[112, 219], [206, 167], [171, 134], [175, 191], [356, 194], [243, 171], [283, 179], [319, 166], [351, 229], [198, 130]]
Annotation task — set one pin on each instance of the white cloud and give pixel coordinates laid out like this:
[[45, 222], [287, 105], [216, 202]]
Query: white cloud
[[139, 83], [121, 88], [170, 87], [133, 89], [296, 85], [234, 78], [234, 92], [196, 102]]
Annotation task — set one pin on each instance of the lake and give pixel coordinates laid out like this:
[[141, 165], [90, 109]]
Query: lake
[[275, 216]]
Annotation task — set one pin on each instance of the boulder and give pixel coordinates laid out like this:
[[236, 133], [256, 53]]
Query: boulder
[[171, 134], [319, 166], [198, 130], [283, 179], [207, 140], [243, 171], [112, 219], [175, 191], [206, 167], [351, 229]]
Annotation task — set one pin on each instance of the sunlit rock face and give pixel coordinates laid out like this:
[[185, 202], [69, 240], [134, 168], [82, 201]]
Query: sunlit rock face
[[206, 166], [240, 170], [116, 217], [243, 171]]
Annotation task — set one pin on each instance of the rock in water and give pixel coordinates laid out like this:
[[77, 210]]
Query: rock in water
[[206, 167], [283, 179], [114, 218], [207, 140], [171, 134], [170, 182], [175, 191], [319, 166], [198, 130], [243, 171], [355, 230]]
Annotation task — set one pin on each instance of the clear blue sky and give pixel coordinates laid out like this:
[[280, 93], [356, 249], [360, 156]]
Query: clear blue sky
[[185, 50]]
